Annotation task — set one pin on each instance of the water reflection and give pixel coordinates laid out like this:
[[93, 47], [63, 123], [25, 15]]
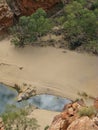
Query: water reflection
[[49, 102]]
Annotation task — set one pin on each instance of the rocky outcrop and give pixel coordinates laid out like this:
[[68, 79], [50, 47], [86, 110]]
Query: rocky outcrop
[[84, 123], [69, 119], [6, 15], [1, 124], [27, 7], [27, 93], [63, 120]]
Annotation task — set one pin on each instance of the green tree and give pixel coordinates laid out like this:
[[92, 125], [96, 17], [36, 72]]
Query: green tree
[[30, 28], [81, 23]]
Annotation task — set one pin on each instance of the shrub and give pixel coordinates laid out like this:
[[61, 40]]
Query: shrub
[[83, 94], [30, 28], [16, 119], [92, 46], [87, 111], [46, 128]]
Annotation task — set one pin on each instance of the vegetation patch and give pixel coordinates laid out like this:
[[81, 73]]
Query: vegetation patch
[[77, 22], [87, 111], [30, 28], [16, 119]]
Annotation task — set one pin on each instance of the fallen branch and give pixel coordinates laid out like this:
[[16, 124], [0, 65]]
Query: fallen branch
[[57, 14]]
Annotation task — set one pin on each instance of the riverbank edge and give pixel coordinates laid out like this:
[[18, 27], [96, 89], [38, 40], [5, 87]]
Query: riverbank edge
[[21, 92]]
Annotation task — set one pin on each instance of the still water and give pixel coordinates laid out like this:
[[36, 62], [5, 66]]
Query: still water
[[48, 102], [7, 97]]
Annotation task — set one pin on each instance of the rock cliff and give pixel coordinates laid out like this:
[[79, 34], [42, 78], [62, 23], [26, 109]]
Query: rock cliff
[[27, 7], [6, 15]]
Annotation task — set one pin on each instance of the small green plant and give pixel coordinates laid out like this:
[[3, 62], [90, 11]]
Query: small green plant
[[83, 94], [46, 128], [87, 111]]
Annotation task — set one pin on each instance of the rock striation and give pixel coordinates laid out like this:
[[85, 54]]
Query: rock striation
[[6, 15]]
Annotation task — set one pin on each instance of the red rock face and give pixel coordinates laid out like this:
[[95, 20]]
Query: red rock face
[[27, 7], [84, 123], [63, 120], [6, 16]]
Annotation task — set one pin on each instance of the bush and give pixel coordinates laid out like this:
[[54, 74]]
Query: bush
[[87, 111], [46, 128], [92, 46], [30, 28], [16, 119]]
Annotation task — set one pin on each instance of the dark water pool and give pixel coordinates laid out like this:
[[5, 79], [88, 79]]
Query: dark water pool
[[48, 102]]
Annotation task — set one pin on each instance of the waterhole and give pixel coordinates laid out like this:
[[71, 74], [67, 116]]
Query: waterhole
[[44, 101]]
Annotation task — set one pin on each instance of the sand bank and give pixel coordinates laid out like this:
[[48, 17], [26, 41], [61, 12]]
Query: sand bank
[[49, 69]]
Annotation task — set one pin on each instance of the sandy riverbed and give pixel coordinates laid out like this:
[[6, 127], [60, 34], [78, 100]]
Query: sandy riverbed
[[49, 70]]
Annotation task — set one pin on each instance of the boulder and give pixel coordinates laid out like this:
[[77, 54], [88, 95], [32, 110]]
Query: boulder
[[27, 93], [84, 123], [6, 15]]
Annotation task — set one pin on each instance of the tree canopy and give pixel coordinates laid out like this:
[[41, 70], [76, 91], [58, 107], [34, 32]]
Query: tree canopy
[[29, 28], [81, 24]]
